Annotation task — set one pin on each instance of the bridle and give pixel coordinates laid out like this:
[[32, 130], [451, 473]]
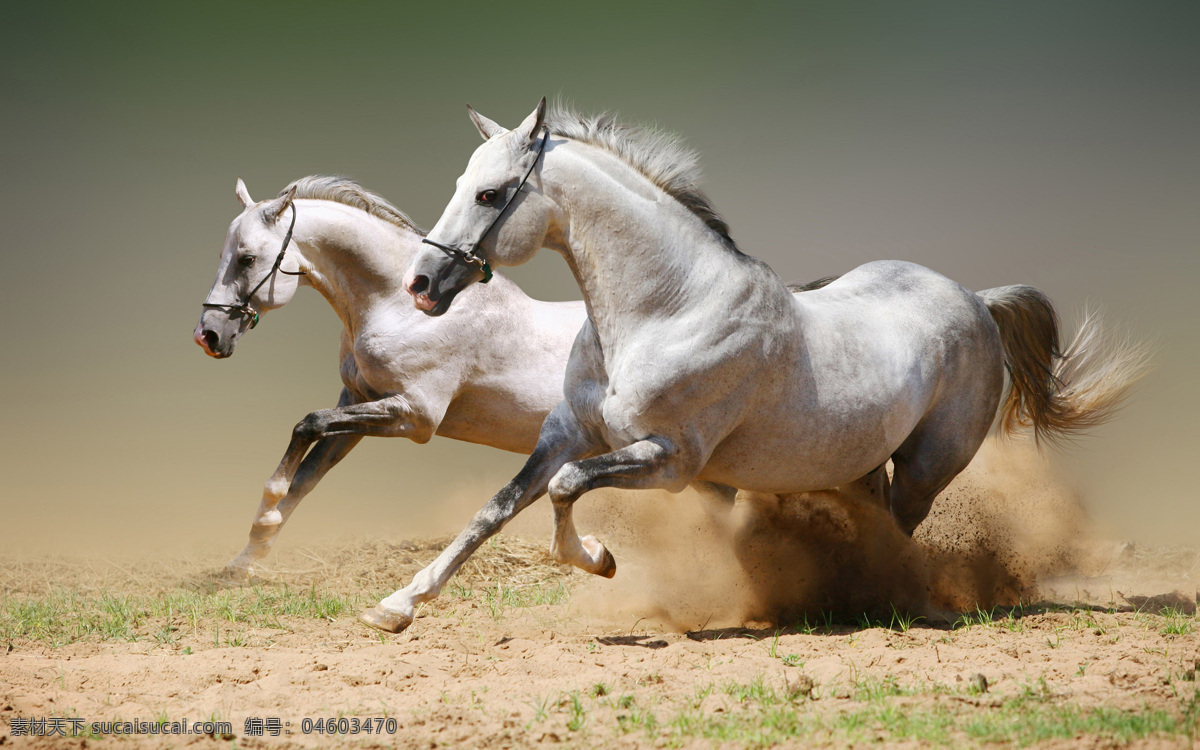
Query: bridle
[[471, 256], [244, 307]]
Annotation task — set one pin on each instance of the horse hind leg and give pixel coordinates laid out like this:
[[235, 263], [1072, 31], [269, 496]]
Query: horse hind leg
[[954, 426], [927, 461]]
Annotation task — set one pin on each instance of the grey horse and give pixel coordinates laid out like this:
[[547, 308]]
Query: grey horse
[[696, 363]]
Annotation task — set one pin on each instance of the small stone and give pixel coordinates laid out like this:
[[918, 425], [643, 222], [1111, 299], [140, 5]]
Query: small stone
[[979, 683], [320, 668]]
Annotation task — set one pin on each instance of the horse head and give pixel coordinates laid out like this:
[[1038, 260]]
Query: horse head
[[253, 275], [491, 220]]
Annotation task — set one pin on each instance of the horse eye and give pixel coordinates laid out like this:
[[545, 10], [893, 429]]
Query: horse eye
[[246, 260], [487, 197]]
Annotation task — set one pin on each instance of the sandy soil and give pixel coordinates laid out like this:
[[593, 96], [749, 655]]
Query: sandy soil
[[692, 644]]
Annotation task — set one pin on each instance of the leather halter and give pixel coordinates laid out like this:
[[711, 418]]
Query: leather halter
[[244, 307], [471, 256]]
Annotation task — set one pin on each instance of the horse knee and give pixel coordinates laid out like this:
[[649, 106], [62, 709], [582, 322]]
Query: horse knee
[[308, 429], [568, 483]]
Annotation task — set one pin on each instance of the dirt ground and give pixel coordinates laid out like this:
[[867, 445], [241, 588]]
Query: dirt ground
[[833, 634]]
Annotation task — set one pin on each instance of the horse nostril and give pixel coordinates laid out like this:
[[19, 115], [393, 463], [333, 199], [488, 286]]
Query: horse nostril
[[419, 284], [211, 339]]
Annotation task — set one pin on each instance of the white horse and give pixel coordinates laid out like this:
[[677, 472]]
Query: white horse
[[697, 364], [488, 372]]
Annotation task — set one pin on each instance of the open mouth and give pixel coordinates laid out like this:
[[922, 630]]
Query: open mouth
[[214, 353], [431, 307], [423, 303]]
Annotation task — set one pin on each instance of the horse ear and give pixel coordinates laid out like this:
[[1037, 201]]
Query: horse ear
[[273, 210], [243, 194], [486, 127], [532, 127]]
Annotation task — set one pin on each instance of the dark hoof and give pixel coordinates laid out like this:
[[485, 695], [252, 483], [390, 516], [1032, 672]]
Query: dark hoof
[[608, 566], [388, 622]]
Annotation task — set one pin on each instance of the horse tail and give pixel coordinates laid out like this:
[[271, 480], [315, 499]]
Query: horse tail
[[1059, 393]]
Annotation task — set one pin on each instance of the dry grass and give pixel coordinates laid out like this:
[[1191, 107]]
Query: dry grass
[[367, 565]]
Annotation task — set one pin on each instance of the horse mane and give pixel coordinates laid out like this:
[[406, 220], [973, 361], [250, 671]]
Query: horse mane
[[811, 286], [660, 156], [348, 192]]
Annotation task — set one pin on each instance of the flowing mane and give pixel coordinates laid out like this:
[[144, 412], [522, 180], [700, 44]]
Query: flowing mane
[[660, 156], [348, 192]]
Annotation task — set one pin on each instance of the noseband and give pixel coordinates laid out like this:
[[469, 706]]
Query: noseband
[[244, 307], [471, 256]]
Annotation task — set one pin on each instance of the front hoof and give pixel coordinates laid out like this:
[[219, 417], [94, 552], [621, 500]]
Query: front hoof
[[235, 571], [389, 622], [606, 565]]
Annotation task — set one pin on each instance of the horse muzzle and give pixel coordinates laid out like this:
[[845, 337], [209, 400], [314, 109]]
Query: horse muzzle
[[213, 341], [434, 281]]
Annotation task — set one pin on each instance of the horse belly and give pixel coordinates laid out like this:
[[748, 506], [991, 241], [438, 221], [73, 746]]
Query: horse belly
[[779, 461], [474, 418], [823, 432]]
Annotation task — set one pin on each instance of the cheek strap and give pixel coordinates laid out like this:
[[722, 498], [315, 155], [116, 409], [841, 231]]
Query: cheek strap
[[244, 307], [471, 256]]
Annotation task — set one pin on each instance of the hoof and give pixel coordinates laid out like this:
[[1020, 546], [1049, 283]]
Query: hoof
[[388, 622], [232, 572], [608, 566]]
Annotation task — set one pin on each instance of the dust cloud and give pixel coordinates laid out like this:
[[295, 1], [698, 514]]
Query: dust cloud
[[684, 563]]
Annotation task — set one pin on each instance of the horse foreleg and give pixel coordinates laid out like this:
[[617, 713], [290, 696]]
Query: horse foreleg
[[393, 416], [646, 464], [561, 440], [325, 454]]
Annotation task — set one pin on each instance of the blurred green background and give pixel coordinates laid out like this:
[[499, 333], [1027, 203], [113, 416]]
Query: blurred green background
[[1046, 143]]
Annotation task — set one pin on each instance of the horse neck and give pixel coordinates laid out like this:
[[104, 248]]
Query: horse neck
[[355, 260], [636, 252]]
